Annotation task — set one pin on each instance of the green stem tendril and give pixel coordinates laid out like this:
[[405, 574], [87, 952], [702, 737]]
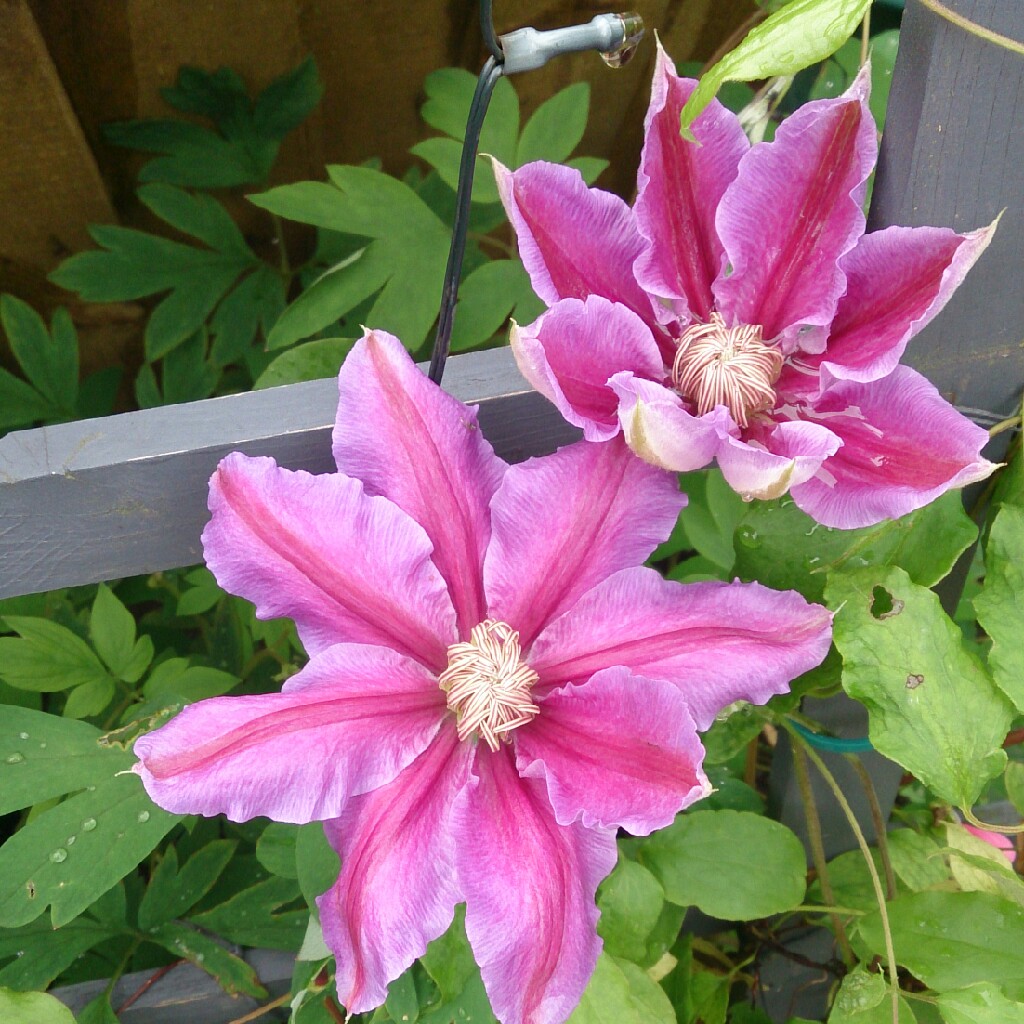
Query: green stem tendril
[[879, 822], [936, 7]]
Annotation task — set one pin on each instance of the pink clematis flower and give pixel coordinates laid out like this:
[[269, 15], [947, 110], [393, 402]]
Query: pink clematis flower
[[495, 682], [738, 311], [1004, 844]]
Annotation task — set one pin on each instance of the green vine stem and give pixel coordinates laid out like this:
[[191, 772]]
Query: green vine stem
[[878, 821], [936, 7], [818, 848], [1003, 830], [876, 881]]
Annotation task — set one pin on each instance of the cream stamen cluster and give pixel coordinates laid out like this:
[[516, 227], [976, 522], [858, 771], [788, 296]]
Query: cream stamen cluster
[[730, 366], [488, 684]]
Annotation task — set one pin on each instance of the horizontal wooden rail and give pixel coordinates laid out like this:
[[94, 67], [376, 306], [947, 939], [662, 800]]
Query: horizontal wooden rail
[[105, 498]]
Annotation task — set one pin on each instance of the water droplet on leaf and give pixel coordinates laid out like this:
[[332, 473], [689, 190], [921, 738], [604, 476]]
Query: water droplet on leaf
[[748, 537], [89, 824], [15, 758], [143, 817], [23, 735], [59, 855]]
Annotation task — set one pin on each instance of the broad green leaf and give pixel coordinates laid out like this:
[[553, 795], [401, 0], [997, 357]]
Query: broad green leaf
[[251, 308], [90, 698], [851, 882], [46, 657], [784, 548], [916, 859], [172, 893], [590, 167], [197, 215], [402, 1003], [233, 974], [1014, 781], [112, 628], [99, 1011], [449, 962], [73, 853], [33, 1008], [411, 242], [20, 404], [802, 33], [630, 900], [316, 863], [619, 992], [486, 298], [42, 952], [556, 127], [245, 143], [954, 939], [175, 679], [838, 72], [865, 998], [980, 1004], [312, 360], [728, 736], [718, 860], [932, 707], [978, 866], [275, 849], [711, 515], [1000, 605], [43, 756], [49, 359], [188, 374], [253, 917]]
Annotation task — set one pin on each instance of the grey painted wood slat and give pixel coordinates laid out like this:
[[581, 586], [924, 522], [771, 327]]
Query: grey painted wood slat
[[105, 498]]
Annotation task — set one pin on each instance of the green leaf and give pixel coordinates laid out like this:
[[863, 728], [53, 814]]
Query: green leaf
[[409, 251], [197, 215], [978, 866], [839, 71], [275, 849], [233, 974], [313, 360], [932, 707], [172, 893], [865, 998], [251, 307], [112, 628], [556, 127], [71, 854], [188, 374], [42, 952], [98, 1011], [402, 1003], [1000, 605], [621, 993], [49, 359], [630, 900], [916, 859], [954, 939], [449, 962], [486, 298], [718, 860], [46, 657], [253, 917], [711, 515], [1014, 780], [243, 148], [590, 167], [785, 549], [980, 1004], [802, 33], [33, 1008], [316, 863], [43, 756], [851, 882], [177, 680], [20, 404], [90, 698]]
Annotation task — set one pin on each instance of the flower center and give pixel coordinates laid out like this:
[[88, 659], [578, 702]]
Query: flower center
[[730, 366], [488, 684]]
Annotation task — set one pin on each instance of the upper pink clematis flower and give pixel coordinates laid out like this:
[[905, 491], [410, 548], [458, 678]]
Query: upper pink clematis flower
[[738, 311], [495, 682], [1004, 844]]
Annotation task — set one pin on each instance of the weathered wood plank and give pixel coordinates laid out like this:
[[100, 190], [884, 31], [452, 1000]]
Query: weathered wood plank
[[106, 498]]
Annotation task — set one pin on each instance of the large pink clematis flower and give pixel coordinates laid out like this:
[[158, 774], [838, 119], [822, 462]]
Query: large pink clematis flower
[[495, 683], [738, 312]]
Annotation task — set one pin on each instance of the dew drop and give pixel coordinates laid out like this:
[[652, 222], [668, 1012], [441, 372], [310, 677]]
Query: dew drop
[[70, 841], [15, 758], [89, 824], [23, 735], [748, 537], [42, 746], [59, 855], [143, 817]]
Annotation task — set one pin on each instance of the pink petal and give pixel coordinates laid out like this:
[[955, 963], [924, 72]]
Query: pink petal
[[1004, 844], [717, 642], [792, 211], [903, 446], [349, 722], [658, 428], [530, 886], [679, 187], [345, 567], [569, 353], [397, 889], [897, 281], [788, 454], [574, 241], [410, 442], [564, 522], [618, 751]]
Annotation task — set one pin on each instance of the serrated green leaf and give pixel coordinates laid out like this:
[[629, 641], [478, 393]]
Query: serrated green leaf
[[188, 374], [932, 707], [233, 974], [197, 215], [630, 900], [172, 892], [253, 917], [73, 853], [983, 1003], [864, 998], [785, 549], [49, 359], [313, 360], [802, 33], [42, 953], [287, 101], [1000, 605], [112, 629], [954, 939], [556, 127], [43, 756], [33, 1008], [251, 307], [708, 860], [46, 657]]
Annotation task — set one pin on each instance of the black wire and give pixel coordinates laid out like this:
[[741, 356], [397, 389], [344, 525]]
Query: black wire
[[487, 31], [478, 109]]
